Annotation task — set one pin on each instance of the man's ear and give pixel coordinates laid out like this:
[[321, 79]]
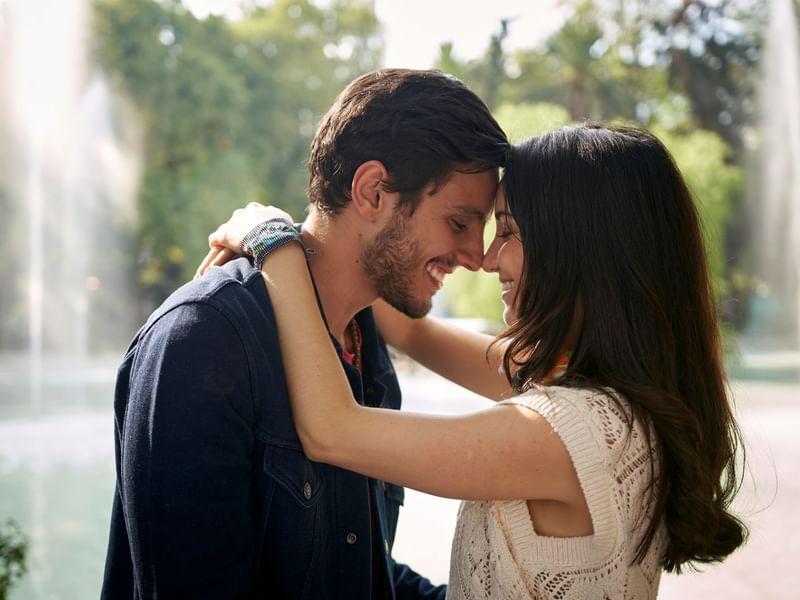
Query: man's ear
[[369, 196]]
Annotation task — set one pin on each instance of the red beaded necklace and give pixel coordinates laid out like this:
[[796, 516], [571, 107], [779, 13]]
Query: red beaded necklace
[[354, 357]]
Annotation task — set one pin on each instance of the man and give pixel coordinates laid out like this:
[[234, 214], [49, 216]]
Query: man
[[215, 498]]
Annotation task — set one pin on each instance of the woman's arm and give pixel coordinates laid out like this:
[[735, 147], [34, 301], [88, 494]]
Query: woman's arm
[[464, 357], [505, 452]]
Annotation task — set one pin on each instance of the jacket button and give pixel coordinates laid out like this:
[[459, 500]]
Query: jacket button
[[307, 491], [351, 538]]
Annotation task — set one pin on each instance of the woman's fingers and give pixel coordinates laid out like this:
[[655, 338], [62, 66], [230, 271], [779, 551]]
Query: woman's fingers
[[224, 256], [218, 237], [208, 261]]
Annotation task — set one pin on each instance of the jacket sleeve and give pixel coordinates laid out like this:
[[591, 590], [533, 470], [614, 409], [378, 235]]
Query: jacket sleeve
[[185, 467], [409, 585]]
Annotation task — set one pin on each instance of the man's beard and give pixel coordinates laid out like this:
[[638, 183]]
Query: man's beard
[[391, 262]]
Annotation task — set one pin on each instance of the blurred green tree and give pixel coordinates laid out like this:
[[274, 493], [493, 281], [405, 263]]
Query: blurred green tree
[[711, 53], [651, 61], [13, 550], [576, 69], [685, 68], [229, 109], [704, 159], [485, 75]]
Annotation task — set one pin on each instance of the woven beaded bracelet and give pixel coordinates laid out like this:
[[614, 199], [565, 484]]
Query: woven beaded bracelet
[[267, 237]]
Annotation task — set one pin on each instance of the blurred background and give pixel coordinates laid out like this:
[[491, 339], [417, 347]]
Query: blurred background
[[129, 129]]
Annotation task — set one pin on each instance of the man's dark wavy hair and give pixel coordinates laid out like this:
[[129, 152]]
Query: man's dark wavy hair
[[421, 124], [606, 220]]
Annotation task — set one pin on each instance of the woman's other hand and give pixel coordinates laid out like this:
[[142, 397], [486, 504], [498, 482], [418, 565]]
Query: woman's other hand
[[225, 242]]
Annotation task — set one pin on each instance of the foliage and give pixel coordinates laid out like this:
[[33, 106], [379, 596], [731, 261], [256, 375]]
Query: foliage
[[578, 70], [711, 52], [486, 76], [228, 108], [649, 61], [524, 120], [13, 549], [703, 158], [685, 69]]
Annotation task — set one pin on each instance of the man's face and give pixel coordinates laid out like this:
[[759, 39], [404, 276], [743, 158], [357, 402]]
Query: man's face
[[409, 259]]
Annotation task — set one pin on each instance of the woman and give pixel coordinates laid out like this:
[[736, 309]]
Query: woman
[[616, 456]]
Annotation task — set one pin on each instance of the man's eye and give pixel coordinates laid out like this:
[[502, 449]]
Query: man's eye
[[457, 225]]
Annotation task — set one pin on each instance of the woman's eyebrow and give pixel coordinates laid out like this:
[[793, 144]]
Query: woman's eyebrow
[[502, 215]]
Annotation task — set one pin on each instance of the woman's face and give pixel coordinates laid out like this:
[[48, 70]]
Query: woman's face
[[505, 257]]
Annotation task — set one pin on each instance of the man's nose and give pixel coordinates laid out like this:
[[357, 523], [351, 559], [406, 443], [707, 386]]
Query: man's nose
[[489, 263], [471, 252]]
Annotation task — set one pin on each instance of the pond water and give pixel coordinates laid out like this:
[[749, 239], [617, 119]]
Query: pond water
[[57, 479]]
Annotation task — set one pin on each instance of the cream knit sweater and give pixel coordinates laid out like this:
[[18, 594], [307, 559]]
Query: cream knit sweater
[[496, 552]]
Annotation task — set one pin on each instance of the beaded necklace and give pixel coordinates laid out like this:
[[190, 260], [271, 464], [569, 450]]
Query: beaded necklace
[[354, 357]]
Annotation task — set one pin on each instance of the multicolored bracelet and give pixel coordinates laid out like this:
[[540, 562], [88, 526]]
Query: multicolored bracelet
[[267, 237]]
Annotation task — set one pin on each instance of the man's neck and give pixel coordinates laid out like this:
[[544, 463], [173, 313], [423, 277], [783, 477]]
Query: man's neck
[[341, 284]]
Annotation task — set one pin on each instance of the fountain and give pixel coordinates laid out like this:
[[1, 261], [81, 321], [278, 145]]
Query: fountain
[[76, 181], [68, 178], [774, 331]]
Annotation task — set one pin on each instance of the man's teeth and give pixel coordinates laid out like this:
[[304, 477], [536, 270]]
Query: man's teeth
[[507, 285], [437, 273]]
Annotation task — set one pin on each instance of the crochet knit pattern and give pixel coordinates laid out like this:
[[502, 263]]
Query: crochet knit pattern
[[496, 551]]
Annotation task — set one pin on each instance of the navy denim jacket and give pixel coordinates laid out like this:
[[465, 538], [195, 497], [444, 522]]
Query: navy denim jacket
[[214, 497]]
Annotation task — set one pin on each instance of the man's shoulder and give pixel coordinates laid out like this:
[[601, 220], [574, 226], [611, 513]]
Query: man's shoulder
[[233, 289], [230, 301]]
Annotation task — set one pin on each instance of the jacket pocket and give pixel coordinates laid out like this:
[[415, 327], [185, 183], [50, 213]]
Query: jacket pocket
[[290, 549], [301, 478]]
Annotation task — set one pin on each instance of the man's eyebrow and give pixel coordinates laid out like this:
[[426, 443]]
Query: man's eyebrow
[[471, 211]]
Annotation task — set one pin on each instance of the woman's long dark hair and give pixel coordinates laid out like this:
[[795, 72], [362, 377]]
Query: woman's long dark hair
[[608, 223]]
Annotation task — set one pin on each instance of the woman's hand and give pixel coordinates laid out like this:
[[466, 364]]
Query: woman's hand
[[225, 242]]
